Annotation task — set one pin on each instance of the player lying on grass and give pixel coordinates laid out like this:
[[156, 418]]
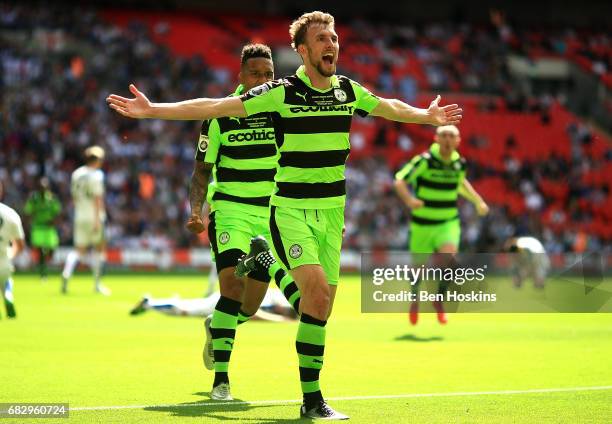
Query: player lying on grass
[[12, 242], [437, 178], [530, 260], [313, 111], [274, 307], [240, 155]]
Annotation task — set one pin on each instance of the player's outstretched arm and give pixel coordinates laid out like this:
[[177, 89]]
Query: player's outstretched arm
[[396, 110], [469, 192], [140, 107], [197, 194]]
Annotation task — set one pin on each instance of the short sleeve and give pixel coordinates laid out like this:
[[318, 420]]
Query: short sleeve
[[97, 183], [365, 100], [412, 169], [208, 142], [264, 98]]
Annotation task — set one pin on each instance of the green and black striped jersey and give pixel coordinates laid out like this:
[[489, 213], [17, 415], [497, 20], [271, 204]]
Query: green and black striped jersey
[[243, 152], [436, 182], [312, 136]]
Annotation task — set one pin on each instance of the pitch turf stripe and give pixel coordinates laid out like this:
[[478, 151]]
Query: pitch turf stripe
[[349, 398]]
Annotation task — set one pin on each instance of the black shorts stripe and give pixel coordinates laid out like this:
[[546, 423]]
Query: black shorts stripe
[[253, 201], [253, 151], [223, 333], [426, 221], [440, 204], [309, 349], [228, 259], [423, 182], [276, 238], [212, 234], [314, 159], [309, 374], [222, 355], [317, 124], [311, 190], [225, 175]]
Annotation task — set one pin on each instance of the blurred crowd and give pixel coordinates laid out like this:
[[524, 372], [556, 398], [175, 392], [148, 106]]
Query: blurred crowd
[[58, 64]]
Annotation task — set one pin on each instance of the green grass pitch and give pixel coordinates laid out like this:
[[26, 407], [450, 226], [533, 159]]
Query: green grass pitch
[[480, 368]]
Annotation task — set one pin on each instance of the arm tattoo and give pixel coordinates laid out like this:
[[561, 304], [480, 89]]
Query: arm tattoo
[[199, 187]]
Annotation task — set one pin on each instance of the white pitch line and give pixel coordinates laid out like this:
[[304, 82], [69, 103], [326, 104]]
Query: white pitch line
[[342, 398]]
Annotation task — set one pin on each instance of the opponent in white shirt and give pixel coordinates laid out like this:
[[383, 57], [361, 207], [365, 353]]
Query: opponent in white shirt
[[87, 189], [530, 260], [12, 242]]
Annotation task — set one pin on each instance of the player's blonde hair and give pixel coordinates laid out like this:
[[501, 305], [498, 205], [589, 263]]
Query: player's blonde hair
[[447, 129], [299, 27], [94, 152]]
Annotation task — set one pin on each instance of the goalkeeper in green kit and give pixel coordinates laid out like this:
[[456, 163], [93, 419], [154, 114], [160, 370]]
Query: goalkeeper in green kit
[[43, 208]]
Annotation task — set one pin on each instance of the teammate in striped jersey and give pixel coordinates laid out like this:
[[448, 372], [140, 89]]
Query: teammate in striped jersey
[[437, 177], [313, 111], [241, 155]]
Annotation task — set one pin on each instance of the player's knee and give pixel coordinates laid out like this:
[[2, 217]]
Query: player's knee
[[230, 286], [319, 297]]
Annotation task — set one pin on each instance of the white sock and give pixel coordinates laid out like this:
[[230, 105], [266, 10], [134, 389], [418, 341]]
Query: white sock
[[97, 262], [71, 261], [8, 290]]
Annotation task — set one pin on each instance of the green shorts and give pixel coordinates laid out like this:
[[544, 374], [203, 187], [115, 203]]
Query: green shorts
[[429, 238], [230, 235], [308, 237], [44, 237]]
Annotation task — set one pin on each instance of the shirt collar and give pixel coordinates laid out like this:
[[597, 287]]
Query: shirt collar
[[301, 73], [435, 152], [239, 90]]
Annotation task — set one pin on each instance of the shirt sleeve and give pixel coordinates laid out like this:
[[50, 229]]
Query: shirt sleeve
[[412, 170], [366, 101], [208, 142], [97, 184], [264, 98]]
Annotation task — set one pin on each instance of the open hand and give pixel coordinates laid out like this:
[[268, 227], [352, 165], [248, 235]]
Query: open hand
[[137, 107], [444, 115]]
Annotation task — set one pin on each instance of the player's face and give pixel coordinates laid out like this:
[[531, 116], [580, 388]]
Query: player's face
[[256, 71], [322, 49], [448, 142]]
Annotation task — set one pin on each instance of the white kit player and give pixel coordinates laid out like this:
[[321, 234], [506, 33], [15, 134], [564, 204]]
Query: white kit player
[[274, 306], [12, 242], [87, 189], [531, 260]]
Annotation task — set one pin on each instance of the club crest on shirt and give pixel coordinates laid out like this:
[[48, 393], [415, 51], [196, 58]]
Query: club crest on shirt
[[203, 143], [295, 251], [340, 95], [259, 90], [224, 237]]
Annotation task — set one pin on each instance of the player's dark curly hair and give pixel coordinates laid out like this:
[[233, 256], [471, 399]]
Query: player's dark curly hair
[[251, 51]]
